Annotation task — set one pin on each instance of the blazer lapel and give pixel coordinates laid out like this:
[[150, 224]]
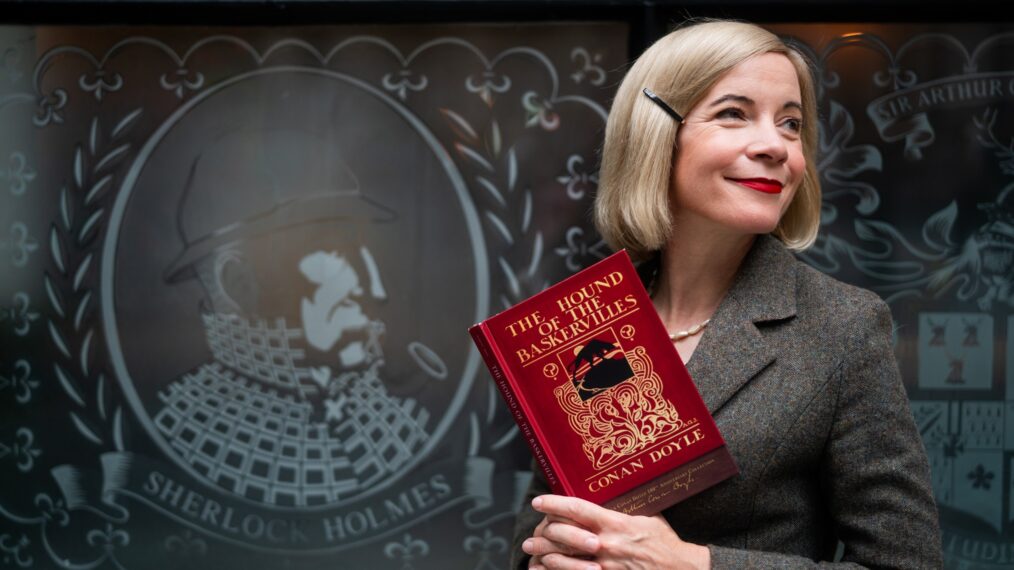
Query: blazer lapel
[[733, 350]]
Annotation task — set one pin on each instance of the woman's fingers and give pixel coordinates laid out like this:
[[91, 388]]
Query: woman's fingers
[[560, 540], [563, 562], [575, 538], [581, 512], [541, 546], [542, 524], [558, 519]]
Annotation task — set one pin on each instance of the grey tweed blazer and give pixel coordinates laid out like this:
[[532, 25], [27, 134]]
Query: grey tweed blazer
[[798, 371]]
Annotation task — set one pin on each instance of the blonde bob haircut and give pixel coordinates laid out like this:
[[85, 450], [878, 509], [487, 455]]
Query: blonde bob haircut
[[632, 208]]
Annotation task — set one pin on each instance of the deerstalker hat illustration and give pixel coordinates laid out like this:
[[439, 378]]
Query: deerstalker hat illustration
[[250, 182]]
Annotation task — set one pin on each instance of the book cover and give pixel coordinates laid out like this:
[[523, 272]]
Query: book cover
[[601, 395]]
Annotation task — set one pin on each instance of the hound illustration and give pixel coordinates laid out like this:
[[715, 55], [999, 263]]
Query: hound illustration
[[594, 349]]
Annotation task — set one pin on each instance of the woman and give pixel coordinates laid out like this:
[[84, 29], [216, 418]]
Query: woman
[[709, 175]]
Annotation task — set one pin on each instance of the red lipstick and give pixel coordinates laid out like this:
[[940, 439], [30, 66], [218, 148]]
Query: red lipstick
[[765, 185]]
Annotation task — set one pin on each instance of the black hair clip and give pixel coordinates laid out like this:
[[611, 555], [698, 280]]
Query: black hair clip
[[658, 101]]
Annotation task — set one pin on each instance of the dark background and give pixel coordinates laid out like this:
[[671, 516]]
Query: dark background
[[886, 211]]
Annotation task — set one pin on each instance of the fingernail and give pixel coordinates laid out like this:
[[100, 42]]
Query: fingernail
[[591, 544], [527, 546], [537, 502]]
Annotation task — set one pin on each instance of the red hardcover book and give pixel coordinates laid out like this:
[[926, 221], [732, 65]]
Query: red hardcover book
[[601, 395]]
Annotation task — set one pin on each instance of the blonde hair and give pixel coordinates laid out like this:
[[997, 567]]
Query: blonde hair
[[632, 204]]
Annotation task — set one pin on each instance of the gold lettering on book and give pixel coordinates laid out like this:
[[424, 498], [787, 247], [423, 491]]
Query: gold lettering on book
[[610, 477], [624, 419], [525, 323], [686, 440], [589, 291], [597, 314]]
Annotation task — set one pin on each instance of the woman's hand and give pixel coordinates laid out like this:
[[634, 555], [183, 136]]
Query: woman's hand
[[536, 561], [580, 535]]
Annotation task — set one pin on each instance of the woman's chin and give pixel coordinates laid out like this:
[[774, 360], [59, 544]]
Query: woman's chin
[[753, 225]]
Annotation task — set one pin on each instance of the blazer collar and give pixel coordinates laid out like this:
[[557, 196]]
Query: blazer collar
[[732, 350]]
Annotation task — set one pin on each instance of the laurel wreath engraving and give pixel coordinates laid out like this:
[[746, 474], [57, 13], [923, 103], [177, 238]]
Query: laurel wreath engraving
[[507, 214], [72, 245]]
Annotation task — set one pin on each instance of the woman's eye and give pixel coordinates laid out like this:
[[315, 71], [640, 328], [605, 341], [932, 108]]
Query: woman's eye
[[794, 125], [730, 113]]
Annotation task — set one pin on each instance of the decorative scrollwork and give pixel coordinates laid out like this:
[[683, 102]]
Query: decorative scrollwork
[[21, 244], [20, 381], [486, 546], [624, 419], [539, 112], [108, 538], [20, 314], [579, 183], [577, 248], [50, 108], [14, 551], [100, 82], [181, 79], [22, 450], [588, 67], [18, 174], [54, 511], [404, 81], [842, 161], [407, 551], [486, 83]]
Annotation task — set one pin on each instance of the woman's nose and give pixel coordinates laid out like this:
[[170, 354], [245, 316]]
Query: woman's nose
[[768, 144]]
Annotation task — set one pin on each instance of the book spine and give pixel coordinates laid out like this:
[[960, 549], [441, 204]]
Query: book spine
[[516, 405]]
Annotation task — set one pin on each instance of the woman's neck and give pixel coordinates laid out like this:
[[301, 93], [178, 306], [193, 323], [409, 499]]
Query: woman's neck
[[696, 271]]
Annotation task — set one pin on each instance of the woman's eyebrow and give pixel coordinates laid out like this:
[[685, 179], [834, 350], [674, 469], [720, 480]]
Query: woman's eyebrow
[[731, 97], [744, 100]]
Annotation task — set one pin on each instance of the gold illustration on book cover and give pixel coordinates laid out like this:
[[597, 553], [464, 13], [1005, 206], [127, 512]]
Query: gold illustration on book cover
[[614, 399]]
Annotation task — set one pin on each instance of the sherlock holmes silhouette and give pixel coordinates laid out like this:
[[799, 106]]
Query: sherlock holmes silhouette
[[291, 409]]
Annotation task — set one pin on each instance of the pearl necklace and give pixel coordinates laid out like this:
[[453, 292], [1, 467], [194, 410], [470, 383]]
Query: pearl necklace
[[696, 329], [678, 335]]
